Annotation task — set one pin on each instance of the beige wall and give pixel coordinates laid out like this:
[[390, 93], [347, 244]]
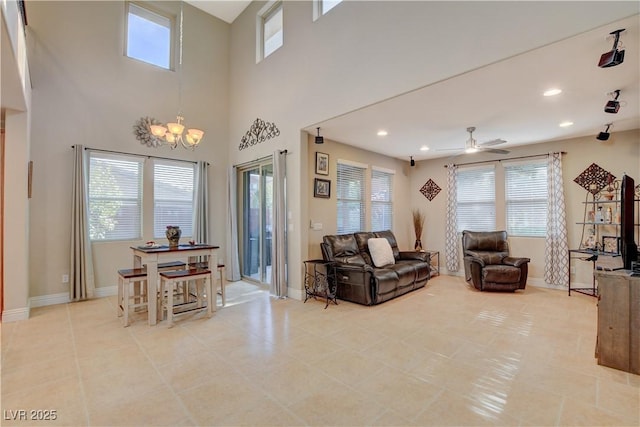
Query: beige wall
[[621, 153], [366, 51], [324, 210], [85, 91]]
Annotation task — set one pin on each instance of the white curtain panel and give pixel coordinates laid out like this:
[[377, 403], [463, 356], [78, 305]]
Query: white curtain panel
[[451, 234], [201, 209], [232, 265], [279, 236], [556, 269], [81, 279]]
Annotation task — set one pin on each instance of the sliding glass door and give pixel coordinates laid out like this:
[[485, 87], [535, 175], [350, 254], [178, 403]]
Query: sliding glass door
[[255, 219]]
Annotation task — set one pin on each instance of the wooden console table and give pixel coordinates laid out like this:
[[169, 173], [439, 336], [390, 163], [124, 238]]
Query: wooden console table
[[618, 344]]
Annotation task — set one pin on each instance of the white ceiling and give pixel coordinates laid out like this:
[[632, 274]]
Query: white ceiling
[[227, 10], [504, 100]]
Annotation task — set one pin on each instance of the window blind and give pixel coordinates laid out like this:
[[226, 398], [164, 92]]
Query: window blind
[[350, 190], [526, 195], [173, 197], [115, 197], [381, 200], [476, 201], [273, 29]]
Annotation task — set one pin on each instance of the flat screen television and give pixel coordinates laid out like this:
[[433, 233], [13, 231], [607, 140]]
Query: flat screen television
[[629, 248]]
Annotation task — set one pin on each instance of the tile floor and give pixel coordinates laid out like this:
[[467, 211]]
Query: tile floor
[[442, 355]]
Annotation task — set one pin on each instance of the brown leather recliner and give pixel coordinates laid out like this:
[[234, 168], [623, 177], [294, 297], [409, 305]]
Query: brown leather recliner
[[487, 264]]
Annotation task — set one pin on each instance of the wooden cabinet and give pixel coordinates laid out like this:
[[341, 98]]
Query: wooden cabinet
[[618, 344]]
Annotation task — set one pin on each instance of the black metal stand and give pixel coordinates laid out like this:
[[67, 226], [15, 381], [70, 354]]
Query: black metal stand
[[320, 280], [584, 255]]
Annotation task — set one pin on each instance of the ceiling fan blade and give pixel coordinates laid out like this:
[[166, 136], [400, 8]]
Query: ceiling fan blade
[[492, 142], [494, 150]]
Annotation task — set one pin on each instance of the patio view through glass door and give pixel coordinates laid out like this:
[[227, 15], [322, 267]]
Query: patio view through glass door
[[255, 211]]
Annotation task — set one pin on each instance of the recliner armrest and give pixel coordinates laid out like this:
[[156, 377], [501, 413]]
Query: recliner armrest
[[475, 259], [414, 255], [516, 262]]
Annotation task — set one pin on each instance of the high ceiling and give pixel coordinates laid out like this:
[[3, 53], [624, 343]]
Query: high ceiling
[[502, 100], [227, 10], [505, 100]]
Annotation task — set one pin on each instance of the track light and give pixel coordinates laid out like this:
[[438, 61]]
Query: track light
[[614, 105], [614, 56], [603, 136], [319, 139], [413, 162]]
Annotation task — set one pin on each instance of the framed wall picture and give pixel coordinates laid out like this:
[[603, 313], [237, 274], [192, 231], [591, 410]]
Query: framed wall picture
[[322, 163], [611, 244], [322, 188]]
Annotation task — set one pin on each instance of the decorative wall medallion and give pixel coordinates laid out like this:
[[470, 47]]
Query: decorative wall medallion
[[430, 189], [142, 131], [259, 132], [594, 178]]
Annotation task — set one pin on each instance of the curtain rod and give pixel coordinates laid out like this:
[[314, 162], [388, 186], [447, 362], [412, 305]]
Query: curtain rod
[[260, 159], [500, 160], [138, 155]]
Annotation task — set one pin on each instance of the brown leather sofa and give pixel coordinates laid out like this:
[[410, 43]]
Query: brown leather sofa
[[360, 281], [487, 264]]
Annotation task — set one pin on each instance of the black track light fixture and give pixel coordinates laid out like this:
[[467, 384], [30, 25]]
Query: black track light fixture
[[603, 136], [614, 105], [614, 56], [413, 162], [319, 139]]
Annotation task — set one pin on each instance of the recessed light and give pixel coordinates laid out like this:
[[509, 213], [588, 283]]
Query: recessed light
[[382, 133], [424, 148], [565, 124], [552, 92]]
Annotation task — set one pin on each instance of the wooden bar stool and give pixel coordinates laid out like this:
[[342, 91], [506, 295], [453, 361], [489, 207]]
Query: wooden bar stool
[[223, 278], [169, 280], [139, 295]]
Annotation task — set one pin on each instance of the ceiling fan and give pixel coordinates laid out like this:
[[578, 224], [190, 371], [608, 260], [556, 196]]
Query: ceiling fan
[[472, 146]]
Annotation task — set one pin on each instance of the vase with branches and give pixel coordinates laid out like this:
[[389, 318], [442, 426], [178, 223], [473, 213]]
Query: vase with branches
[[418, 225]]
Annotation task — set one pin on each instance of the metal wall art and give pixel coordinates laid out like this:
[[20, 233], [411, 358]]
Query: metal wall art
[[430, 189], [259, 132], [594, 178], [142, 131]]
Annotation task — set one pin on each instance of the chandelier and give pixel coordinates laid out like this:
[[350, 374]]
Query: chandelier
[[173, 133]]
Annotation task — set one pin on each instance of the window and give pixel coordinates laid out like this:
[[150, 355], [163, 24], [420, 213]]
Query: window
[[476, 203], [381, 199], [526, 197], [173, 184], [149, 36], [321, 7], [271, 29], [115, 197], [350, 190]]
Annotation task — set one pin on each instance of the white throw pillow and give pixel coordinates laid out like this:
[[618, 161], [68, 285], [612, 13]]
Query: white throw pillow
[[381, 252]]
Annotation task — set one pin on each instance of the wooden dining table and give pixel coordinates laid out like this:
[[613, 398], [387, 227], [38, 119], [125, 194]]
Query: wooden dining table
[[152, 255]]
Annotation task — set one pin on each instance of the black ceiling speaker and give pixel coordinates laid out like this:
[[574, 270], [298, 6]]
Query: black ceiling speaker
[[614, 105], [413, 162], [614, 56], [319, 139], [603, 136]]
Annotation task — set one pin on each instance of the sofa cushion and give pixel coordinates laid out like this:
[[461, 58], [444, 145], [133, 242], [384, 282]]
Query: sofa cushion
[[380, 250]]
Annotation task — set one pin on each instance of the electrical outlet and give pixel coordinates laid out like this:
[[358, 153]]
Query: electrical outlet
[[65, 278], [573, 270]]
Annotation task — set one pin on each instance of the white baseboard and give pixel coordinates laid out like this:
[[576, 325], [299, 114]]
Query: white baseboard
[[15, 314], [105, 291], [295, 293], [53, 299], [538, 282]]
